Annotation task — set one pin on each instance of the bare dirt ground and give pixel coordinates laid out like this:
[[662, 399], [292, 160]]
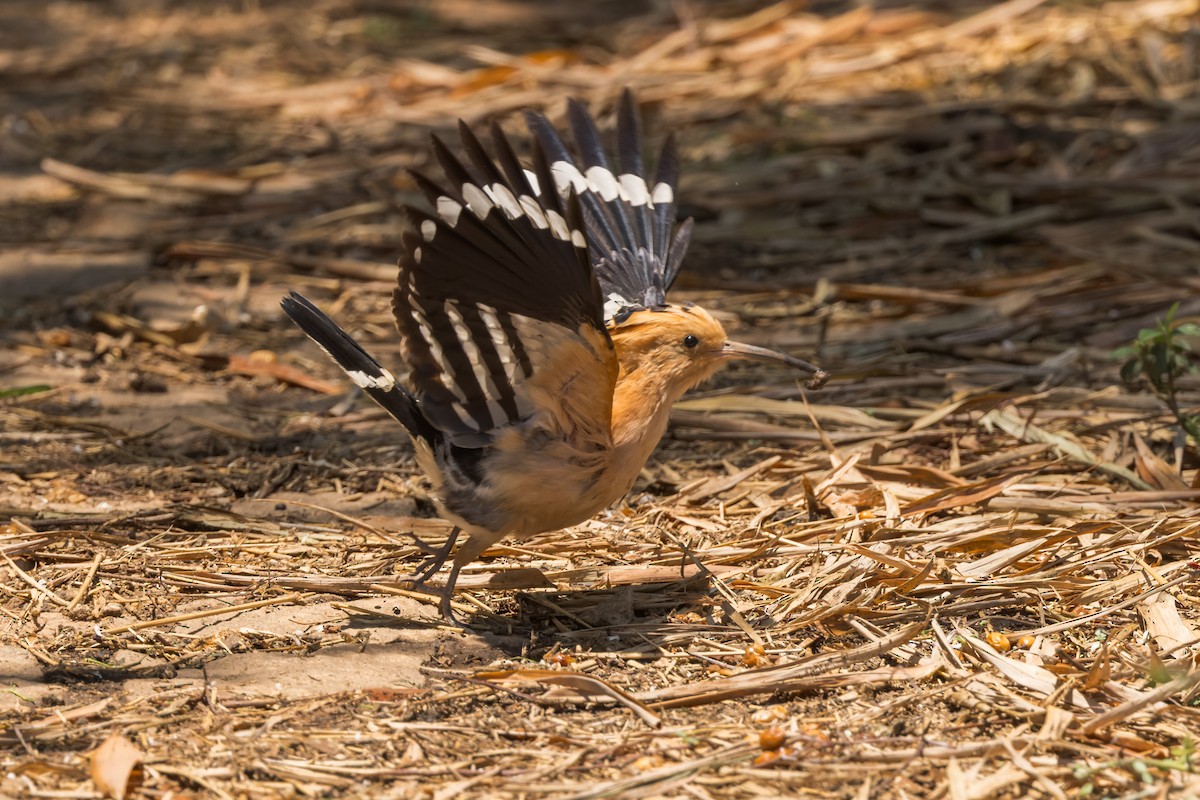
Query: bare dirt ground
[[965, 569]]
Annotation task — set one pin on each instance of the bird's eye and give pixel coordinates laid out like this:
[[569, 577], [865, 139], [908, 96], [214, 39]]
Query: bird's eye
[[690, 341]]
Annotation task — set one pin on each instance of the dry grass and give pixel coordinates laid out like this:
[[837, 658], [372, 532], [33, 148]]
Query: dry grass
[[963, 570]]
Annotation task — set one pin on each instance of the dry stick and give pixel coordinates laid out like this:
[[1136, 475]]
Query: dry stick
[[223, 430], [1023, 764], [992, 18], [1058, 627], [1124, 710], [943, 642], [195, 775], [941, 752], [23, 547], [87, 582], [154, 623], [557, 609], [37, 587], [764, 680], [1014, 426], [21, 525], [663, 776], [344, 518], [584, 685], [734, 614]]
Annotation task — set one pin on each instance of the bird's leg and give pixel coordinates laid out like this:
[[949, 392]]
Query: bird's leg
[[447, 593], [468, 552], [429, 569]]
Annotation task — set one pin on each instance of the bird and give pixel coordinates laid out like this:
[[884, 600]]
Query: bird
[[541, 355]]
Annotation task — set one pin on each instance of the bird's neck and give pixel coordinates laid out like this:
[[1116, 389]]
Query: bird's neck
[[642, 404]]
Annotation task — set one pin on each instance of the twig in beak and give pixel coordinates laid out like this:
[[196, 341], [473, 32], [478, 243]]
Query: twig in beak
[[751, 352]]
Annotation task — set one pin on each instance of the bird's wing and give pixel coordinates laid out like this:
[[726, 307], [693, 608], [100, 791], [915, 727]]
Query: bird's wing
[[629, 221], [499, 312]]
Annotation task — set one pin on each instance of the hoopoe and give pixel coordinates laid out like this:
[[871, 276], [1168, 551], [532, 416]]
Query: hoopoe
[[542, 355]]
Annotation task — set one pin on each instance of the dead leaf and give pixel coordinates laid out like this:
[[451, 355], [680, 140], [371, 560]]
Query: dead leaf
[[970, 495], [116, 765], [1154, 470], [1030, 677], [281, 372], [911, 473], [1166, 626], [585, 685], [1101, 671], [1007, 421]]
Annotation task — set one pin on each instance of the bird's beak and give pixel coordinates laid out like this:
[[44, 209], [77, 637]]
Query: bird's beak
[[750, 352]]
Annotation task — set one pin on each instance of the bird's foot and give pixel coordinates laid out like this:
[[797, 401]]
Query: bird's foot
[[425, 572], [445, 594], [446, 610], [435, 562]]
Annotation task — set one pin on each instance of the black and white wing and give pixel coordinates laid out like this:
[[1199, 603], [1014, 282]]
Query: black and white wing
[[497, 303], [630, 221]]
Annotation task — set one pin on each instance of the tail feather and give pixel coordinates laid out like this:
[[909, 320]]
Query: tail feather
[[365, 371]]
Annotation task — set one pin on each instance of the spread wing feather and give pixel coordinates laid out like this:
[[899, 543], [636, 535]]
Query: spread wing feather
[[489, 284], [633, 249]]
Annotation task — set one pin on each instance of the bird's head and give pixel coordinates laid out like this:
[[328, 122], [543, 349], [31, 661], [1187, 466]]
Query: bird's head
[[678, 347]]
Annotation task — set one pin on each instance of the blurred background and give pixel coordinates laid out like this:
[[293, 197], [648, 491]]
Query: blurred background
[[899, 142]]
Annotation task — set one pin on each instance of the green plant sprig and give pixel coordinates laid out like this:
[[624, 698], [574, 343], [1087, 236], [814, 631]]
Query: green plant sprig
[[1162, 355]]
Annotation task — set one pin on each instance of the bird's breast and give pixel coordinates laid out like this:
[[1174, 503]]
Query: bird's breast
[[545, 484]]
